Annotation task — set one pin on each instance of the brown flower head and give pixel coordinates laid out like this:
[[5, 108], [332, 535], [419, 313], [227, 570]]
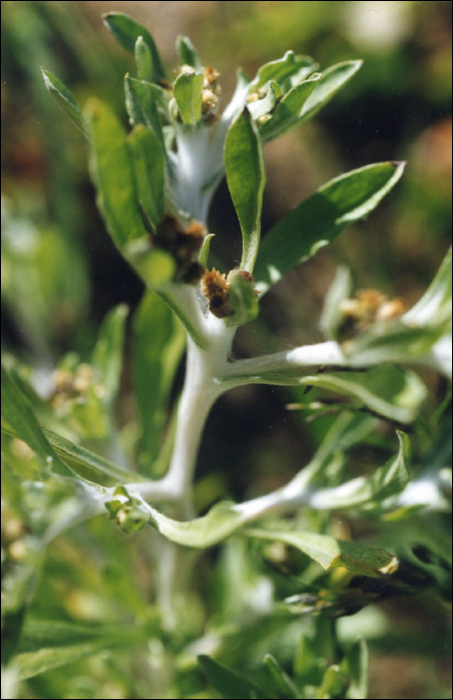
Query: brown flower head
[[369, 307], [183, 244], [215, 286]]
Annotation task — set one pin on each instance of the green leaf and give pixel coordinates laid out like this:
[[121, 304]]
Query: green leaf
[[261, 107], [18, 416], [187, 53], [331, 553], [77, 456], [332, 316], [392, 341], [155, 266], [434, 308], [332, 683], [243, 300], [126, 31], [188, 93], [320, 218], [144, 60], [229, 684], [158, 346], [44, 633], [356, 665], [331, 82], [19, 580], [112, 172], [368, 492], [288, 110], [357, 386], [244, 168], [141, 95], [141, 106], [66, 100], [108, 352], [12, 623], [149, 168], [284, 683], [44, 280], [204, 252], [31, 663], [220, 522], [281, 70]]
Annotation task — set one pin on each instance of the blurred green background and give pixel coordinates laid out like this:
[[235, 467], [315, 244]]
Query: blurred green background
[[61, 273]]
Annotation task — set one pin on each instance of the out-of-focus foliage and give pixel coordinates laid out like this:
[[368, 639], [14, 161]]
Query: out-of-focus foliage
[[60, 275]]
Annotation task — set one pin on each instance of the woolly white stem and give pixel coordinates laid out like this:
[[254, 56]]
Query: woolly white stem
[[255, 369], [192, 147]]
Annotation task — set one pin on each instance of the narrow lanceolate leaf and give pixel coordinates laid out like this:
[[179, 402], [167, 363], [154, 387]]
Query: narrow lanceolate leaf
[[155, 266], [434, 308], [397, 343], [331, 553], [107, 355], [77, 456], [368, 492], [321, 217], [18, 418], [356, 663], [31, 663], [219, 523], [144, 60], [332, 683], [149, 168], [352, 387], [146, 92], [126, 31], [141, 105], [66, 100], [113, 175], [37, 634], [288, 110], [281, 70], [188, 54], [158, 346], [188, 93], [228, 683], [245, 176], [204, 252], [332, 316], [284, 683], [331, 82]]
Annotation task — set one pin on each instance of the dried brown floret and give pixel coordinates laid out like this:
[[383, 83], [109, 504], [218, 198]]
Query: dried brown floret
[[393, 308], [183, 244], [369, 307], [215, 286], [72, 385], [211, 94], [210, 79]]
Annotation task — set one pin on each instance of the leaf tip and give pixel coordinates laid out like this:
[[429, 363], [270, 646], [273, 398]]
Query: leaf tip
[[390, 568], [46, 77]]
